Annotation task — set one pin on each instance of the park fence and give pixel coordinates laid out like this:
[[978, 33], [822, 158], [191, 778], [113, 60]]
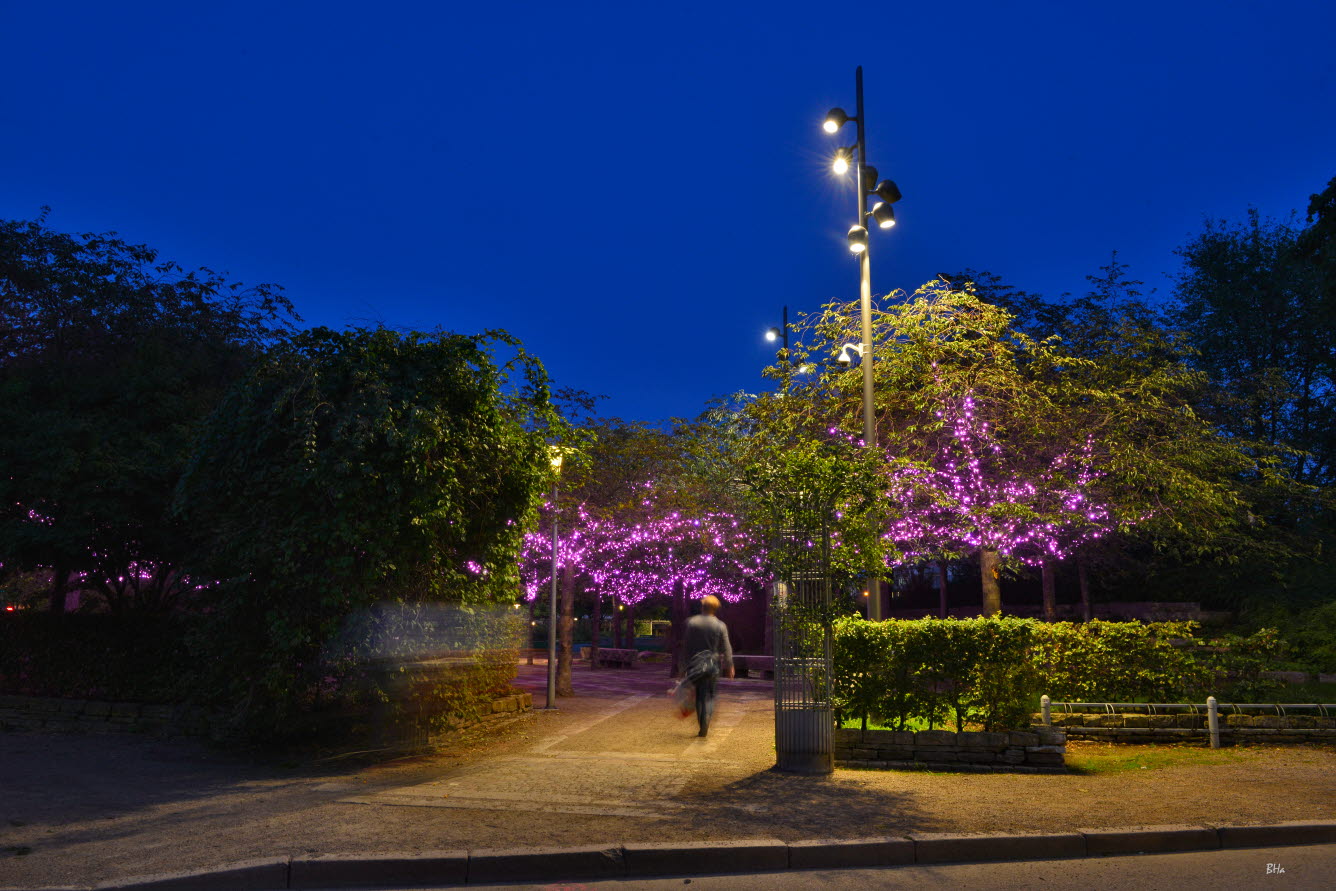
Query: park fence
[[1218, 723]]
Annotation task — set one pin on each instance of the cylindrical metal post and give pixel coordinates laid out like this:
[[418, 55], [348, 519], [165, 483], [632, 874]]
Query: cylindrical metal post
[[1213, 721], [1044, 704], [874, 612], [864, 269], [552, 613]]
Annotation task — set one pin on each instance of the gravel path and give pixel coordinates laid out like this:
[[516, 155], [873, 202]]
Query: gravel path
[[612, 765]]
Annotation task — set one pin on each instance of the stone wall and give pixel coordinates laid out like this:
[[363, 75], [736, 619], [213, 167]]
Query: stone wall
[[81, 715], [1234, 729], [1038, 751], [89, 716]]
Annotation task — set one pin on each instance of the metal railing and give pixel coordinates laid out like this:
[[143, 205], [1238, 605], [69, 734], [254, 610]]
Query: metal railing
[[1211, 708]]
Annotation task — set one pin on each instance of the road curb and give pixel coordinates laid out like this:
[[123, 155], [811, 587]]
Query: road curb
[[640, 860]]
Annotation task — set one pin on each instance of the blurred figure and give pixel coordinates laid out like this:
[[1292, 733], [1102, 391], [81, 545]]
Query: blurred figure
[[707, 654]]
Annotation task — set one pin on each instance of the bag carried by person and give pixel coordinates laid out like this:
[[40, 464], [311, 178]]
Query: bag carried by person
[[702, 666], [684, 697]]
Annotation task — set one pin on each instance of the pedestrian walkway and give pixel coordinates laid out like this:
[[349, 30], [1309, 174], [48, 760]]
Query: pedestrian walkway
[[618, 749]]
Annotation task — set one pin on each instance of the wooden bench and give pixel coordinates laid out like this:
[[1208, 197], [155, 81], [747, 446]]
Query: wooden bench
[[609, 656], [744, 665]]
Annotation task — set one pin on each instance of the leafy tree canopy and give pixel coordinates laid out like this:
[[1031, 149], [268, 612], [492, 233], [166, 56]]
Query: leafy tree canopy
[[109, 359], [360, 467]]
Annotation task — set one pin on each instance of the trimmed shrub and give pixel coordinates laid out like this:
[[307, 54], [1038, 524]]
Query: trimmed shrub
[[962, 670], [1118, 661], [991, 671]]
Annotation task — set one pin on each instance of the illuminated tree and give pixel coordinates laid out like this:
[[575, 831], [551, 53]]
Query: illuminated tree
[[957, 383], [975, 494], [654, 554]]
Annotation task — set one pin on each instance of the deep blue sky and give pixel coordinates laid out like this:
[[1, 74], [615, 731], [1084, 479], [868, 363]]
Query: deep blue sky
[[635, 190]]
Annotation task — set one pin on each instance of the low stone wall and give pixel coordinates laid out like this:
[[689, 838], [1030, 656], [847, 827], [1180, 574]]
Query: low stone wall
[[1038, 751], [90, 716], [1234, 729]]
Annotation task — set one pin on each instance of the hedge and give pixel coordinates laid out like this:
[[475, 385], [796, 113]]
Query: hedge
[[963, 670], [991, 671]]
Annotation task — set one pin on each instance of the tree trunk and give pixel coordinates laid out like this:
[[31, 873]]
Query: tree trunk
[[629, 626], [992, 593], [1049, 586], [677, 628], [768, 643], [528, 637], [60, 581], [942, 611], [566, 632], [597, 631], [1086, 613]]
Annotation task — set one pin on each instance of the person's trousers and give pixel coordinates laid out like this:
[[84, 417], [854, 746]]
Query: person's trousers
[[705, 701]]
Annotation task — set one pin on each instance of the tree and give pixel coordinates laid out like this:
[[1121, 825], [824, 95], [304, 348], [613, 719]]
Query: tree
[[354, 468], [1252, 301], [109, 360], [1112, 426], [976, 494]]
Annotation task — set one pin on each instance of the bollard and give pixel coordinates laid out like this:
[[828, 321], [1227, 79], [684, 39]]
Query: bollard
[[1213, 721], [1044, 703]]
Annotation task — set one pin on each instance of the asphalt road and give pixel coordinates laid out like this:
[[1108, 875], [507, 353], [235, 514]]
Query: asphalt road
[[1309, 867]]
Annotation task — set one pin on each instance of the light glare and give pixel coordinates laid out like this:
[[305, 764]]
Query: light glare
[[841, 165]]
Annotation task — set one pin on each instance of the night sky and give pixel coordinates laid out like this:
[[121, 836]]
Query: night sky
[[635, 190]]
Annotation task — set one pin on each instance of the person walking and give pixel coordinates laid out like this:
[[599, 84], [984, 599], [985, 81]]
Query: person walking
[[707, 654]]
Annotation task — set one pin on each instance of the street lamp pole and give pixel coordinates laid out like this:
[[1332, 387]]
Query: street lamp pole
[[864, 275], [865, 184], [552, 602]]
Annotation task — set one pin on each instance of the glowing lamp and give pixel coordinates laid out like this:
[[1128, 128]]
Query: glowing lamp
[[848, 352], [835, 119], [884, 214], [772, 335], [843, 157], [857, 239]]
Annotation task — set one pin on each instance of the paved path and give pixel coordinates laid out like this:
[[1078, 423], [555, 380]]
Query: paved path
[[617, 750]]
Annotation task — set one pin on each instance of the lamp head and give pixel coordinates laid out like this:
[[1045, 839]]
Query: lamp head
[[555, 456], [857, 239], [835, 119], [847, 353], [869, 177], [887, 191], [772, 335], [843, 158], [884, 214]]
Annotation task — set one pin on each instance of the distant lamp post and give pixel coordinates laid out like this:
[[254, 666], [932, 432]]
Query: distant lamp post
[[555, 457], [781, 334], [866, 184]]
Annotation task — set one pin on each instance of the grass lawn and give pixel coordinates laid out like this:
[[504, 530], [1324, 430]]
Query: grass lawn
[[1108, 758], [911, 724]]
